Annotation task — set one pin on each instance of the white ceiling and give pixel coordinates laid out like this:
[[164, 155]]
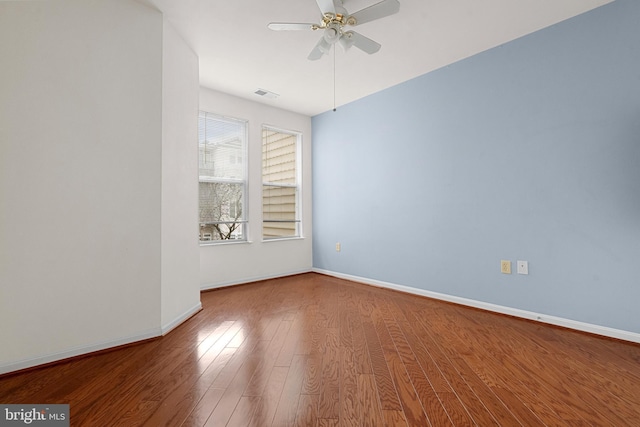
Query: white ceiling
[[239, 54]]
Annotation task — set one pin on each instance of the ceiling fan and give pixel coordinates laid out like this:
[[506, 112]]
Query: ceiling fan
[[334, 20]]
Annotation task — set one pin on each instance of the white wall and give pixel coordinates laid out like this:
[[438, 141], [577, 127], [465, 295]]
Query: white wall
[[180, 258], [82, 237], [233, 263]]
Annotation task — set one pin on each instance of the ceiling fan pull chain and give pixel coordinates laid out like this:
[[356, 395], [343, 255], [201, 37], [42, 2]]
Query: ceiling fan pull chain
[[334, 79]]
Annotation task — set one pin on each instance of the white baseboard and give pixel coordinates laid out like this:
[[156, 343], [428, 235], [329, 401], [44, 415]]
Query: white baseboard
[[78, 351], [245, 280], [543, 318], [183, 317]]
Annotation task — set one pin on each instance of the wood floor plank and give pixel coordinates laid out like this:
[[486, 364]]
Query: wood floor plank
[[268, 404], [290, 344], [307, 411], [615, 405], [512, 392], [455, 409], [328, 422], [74, 380], [243, 411], [233, 393], [429, 399], [288, 405], [384, 384], [205, 353], [329, 404], [394, 418], [411, 405], [490, 400], [516, 377], [177, 406], [313, 350], [126, 397], [472, 404], [312, 378], [308, 318], [499, 411], [203, 409], [361, 352], [569, 396], [350, 405], [507, 386], [371, 410]]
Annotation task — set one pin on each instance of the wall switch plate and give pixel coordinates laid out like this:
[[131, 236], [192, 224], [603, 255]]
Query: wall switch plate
[[505, 266], [338, 247], [523, 267]]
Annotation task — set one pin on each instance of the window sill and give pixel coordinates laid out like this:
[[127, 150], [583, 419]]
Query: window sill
[[280, 239], [243, 242], [224, 242]]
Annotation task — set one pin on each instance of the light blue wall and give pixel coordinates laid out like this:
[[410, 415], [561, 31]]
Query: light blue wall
[[527, 151]]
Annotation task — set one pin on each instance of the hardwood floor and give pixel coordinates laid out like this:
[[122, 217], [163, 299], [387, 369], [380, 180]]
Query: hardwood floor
[[312, 350]]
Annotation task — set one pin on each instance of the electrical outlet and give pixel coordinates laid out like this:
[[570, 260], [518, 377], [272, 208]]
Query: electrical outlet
[[505, 266], [338, 247], [523, 267]]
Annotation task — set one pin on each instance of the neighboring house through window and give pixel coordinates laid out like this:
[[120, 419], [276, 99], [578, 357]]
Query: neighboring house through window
[[280, 183], [222, 146]]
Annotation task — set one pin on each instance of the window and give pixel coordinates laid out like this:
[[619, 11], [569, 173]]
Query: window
[[222, 143], [280, 183]]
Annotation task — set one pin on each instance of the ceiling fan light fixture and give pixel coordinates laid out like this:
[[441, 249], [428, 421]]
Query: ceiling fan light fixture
[[345, 41], [332, 33]]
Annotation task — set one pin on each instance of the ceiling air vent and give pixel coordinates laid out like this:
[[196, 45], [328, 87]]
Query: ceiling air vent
[[266, 94]]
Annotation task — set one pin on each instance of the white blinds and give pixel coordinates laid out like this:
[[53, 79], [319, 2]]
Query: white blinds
[[221, 142], [279, 183]]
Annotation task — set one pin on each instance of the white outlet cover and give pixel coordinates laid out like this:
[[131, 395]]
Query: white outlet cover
[[523, 267]]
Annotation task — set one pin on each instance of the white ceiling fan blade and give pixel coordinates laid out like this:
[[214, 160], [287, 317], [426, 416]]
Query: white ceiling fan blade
[[290, 26], [326, 6], [376, 11], [321, 48], [363, 43]]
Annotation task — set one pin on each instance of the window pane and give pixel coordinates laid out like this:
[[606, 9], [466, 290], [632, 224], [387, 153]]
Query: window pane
[[279, 230], [222, 158], [279, 212], [278, 203], [221, 147], [280, 189], [221, 212], [279, 157]]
